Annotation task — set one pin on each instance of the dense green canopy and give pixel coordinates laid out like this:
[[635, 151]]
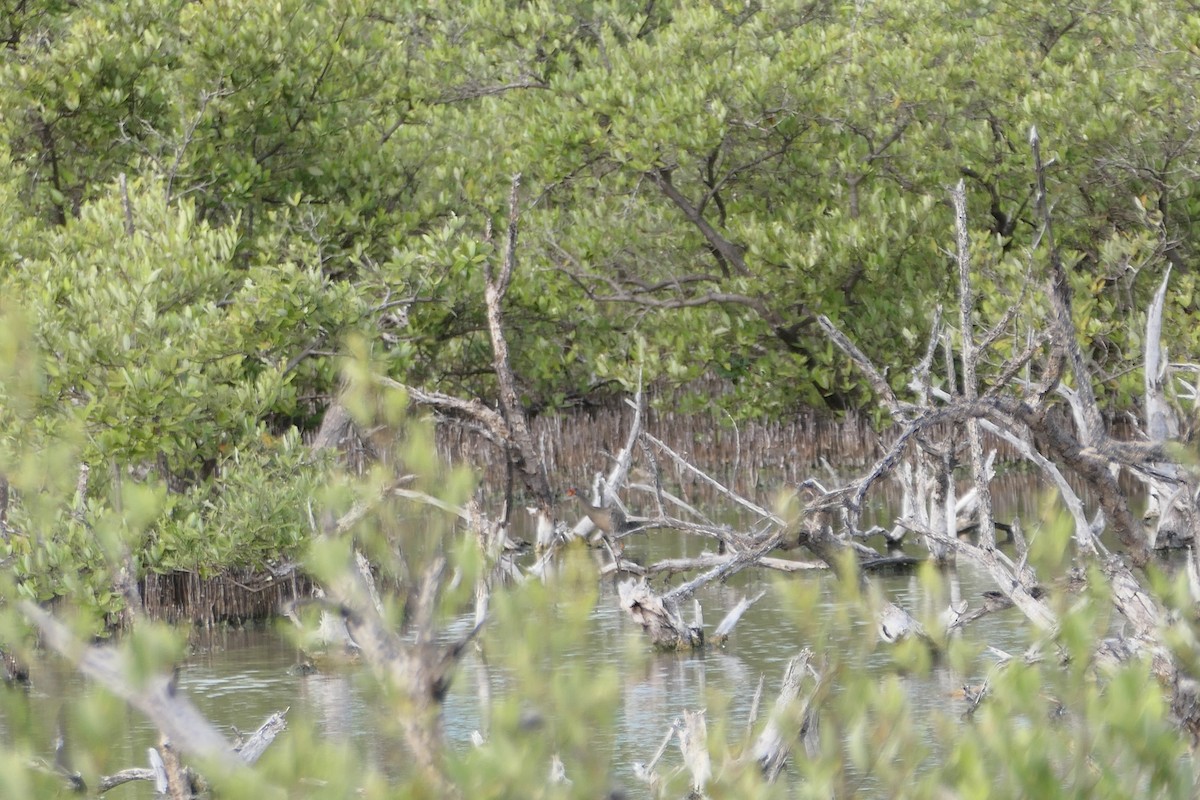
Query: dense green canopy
[[205, 202]]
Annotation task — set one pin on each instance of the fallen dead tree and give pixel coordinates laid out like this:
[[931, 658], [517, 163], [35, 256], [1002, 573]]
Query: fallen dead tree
[[1021, 412], [1003, 402], [938, 431], [184, 730]]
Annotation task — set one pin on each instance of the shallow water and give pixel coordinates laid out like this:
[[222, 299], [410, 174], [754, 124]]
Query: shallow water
[[239, 677]]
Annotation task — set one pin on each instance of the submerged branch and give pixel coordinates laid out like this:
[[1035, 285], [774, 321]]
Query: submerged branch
[[157, 697]]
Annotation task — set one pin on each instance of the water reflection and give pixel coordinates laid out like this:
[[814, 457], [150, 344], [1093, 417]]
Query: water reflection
[[238, 678]]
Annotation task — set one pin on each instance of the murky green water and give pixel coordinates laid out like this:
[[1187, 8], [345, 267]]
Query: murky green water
[[239, 677]]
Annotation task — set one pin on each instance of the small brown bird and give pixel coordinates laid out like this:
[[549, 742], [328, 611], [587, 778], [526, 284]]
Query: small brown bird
[[609, 520]]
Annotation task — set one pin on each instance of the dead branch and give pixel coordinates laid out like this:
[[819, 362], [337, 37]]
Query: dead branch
[[883, 389], [672, 566], [966, 303], [733, 615], [253, 748], [645, 772], [1092, 431], [109, 782], [157, 698], [473, 410], [658, 616], [721, 488], [789, 723], [522, 452], [609, 501]]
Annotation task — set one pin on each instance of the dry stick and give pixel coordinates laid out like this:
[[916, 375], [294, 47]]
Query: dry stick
[[772, 748], [616, 476], [878, 383], [671, 566], [661, 495], [1060, 298], [646, 772], [721, 533], [1005, 575], [173, 774], [1160, 418], [990, 559], [170, 712], [109, 782], [253, 748], [1084, 538], [1172, 494], [1093, 462], [736, 564], [656, 489], [915, 478], [987, 529], [731, 618], [492, 421], [754, 704], [1017, 363], [737, 498], [946, 522]]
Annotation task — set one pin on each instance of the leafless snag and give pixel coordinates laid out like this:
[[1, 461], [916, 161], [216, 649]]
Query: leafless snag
[[966, 304], [1020, 414], [790, 723]]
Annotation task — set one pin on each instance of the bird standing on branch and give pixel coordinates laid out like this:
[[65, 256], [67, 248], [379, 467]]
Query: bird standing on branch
[[610, 521]]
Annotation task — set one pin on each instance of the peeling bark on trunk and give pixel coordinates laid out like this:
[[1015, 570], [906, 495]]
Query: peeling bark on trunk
[[523, 453]]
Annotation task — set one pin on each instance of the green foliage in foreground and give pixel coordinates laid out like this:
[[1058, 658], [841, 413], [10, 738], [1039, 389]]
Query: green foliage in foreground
[[1045, 730], [1054, 727]]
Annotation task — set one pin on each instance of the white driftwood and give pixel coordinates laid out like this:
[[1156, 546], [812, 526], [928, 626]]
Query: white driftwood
[[670, 566], [693, 743], [658, 616], [620, 470], [895, 624], [253, 748], [734, 614], [754, 704], [789, 723], [646, 772], [987, 532]]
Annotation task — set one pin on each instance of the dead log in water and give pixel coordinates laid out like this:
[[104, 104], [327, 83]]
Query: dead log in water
[[184, 730], [659, 617], [791, 722]]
